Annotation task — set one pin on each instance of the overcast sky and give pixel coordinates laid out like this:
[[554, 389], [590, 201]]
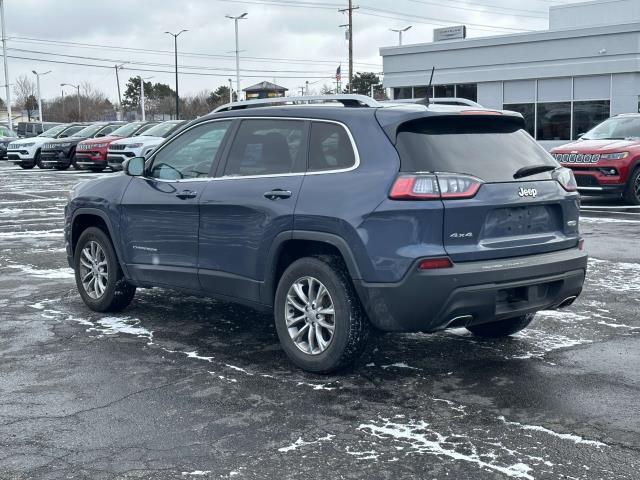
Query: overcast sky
[[280, 39]]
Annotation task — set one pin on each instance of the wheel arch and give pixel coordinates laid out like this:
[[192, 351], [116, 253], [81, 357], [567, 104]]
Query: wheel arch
[[291, 246], [84, 218]]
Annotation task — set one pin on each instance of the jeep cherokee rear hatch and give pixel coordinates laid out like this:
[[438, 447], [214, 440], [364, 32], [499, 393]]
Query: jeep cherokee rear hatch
[[503, 195]]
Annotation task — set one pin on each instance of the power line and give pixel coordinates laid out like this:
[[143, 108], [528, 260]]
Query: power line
[[159, 71], [152, 64], [21, 39], [377, 12], [482, 10]]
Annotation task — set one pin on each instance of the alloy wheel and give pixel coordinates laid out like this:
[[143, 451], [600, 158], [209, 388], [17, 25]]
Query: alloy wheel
[[93, 269], [310, 315]]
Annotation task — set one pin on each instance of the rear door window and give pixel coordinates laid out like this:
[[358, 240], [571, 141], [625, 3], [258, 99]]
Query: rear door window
[[490, 148], [267, 147], [330, 148]]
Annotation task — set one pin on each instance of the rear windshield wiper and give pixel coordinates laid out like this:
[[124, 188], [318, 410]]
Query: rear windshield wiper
[[534, 170]]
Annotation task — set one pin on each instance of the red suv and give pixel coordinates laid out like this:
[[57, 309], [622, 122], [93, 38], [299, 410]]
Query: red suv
[[606, 159], [91, 154]]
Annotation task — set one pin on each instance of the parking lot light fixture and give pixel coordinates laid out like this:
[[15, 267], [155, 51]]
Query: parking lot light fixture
[[400, 31], [235, 20], [175, 49], [77, 87], [39, 94]]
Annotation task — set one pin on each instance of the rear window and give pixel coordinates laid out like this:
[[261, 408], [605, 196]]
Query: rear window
[[490, 148]]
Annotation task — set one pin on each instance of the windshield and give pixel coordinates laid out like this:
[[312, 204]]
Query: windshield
[[126, 130], [53, 132], [89, 131], [162, 130], [492, 149], [618, 128], [5, 132]]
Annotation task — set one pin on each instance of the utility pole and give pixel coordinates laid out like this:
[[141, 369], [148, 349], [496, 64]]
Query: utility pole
[[230, 91], [63, 104], [235, 20], [175, 50], [6, 66], [120, 111], [39, 95], [306, 90], [349, 11], [400, 31]]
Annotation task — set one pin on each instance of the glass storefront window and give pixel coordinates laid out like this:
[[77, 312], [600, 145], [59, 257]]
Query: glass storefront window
[[554, 121], [587, 115], [402, 93], [421, 92], [444, 91], [528, 111], [468, 91]]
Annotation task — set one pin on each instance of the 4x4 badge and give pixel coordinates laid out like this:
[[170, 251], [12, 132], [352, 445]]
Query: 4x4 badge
[[528, 192]]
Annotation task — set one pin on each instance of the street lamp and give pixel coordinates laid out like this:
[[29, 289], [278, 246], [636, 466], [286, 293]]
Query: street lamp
[[400, 32], [39, 95], [175, 45], [142, 95], [235, 20], [77, 87]]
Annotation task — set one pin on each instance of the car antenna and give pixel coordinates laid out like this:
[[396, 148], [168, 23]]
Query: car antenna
[[427, 100]]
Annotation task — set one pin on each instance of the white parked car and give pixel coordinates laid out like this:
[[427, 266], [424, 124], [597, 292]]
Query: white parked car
[[142, 145], [26, 151]]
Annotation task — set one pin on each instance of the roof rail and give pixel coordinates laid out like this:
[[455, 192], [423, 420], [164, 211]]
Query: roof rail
[[348, 100]]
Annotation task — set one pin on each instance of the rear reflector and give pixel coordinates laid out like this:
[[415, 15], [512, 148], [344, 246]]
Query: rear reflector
[[435, 263], [439, 186]]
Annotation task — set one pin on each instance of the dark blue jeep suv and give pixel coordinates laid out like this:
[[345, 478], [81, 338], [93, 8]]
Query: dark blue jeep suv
[[339, 218]]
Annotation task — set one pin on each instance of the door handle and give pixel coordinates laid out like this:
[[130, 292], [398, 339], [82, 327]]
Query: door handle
[[185, 194], [277, 193]]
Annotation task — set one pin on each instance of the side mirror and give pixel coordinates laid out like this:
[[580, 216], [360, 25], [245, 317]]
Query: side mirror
[[580, 135], [134, 167], [63, 135], [100, 135]]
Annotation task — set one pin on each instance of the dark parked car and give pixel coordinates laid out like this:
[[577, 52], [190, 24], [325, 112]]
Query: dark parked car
[[33, 129], [60, 154], [403, 218], [6, 137]]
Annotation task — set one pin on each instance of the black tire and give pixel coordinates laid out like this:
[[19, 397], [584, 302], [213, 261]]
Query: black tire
[[97, 170], [503, 328], [27, 166], [351, 327], [37, 161], [118, 292], [632, 192], [61, 167]]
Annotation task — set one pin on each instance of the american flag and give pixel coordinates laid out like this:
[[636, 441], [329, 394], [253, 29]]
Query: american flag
[[338, 75]]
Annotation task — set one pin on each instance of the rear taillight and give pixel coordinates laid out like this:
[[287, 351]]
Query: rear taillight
[[565, 177], [434, 186], [435, 263]]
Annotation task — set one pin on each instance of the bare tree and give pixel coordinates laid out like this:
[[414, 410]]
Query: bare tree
[[25, 91]]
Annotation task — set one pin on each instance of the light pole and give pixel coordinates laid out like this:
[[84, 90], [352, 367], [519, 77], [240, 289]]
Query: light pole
[[400, 32], [235, 20], [6, 66], [175, 49], [142, 95], [119, 67], [77, 87], [230, 91], [39, 95]]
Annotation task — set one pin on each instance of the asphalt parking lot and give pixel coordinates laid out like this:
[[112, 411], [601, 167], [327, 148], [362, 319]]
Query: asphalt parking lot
[[185, 387]]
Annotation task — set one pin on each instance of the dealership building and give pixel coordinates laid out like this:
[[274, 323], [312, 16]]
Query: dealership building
[[564, 80]]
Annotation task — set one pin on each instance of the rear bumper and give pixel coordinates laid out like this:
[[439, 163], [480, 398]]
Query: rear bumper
[[472, 293]]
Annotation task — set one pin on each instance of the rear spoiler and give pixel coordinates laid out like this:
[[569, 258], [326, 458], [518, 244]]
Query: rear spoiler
[[392, 121]]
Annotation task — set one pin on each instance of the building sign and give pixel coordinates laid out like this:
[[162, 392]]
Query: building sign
[[450, 33]]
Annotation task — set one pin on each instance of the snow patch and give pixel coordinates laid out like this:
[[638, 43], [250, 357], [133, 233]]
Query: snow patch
[[423, 440], [565, 436], [53, 273], [301, 443], [399, 365], [197, 473]]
